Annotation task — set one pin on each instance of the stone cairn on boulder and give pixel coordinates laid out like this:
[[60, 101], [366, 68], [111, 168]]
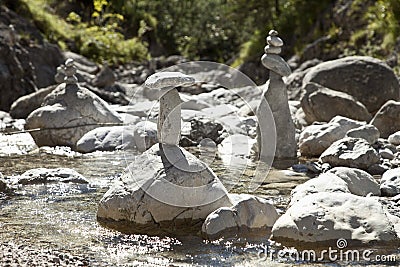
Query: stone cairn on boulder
[[165, 188], [277, 99], [68, 112]]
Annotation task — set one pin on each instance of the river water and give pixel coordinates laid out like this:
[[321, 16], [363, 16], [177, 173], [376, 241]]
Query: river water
[[61, 218]]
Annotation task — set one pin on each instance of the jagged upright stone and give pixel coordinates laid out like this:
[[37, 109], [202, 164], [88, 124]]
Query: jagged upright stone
[[169, 119], [68, 112], [277, 98]]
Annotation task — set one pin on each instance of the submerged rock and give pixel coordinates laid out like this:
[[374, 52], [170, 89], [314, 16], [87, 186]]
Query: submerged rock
[[44, 175], [166, 187], [323, 218], [247, 215]]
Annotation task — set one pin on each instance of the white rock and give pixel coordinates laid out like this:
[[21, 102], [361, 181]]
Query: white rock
[[326, 182], [315, 139], [324, 217], [145, 135], [154, 191], [106, 139], [44, 175], [390, 182], [16, 144], [250, 213], [68, 113], [358, 181], [350, 152], [394, 139], [367, 132]]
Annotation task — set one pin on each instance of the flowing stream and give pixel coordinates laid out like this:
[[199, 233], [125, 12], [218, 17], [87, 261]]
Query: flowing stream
[[58, 221]]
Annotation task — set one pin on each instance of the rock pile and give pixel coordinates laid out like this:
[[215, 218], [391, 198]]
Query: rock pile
[[69, 112]]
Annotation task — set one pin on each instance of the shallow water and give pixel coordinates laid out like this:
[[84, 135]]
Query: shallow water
[[62, 218]]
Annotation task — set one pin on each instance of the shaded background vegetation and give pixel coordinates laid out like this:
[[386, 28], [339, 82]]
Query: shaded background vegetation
[[229, 31]]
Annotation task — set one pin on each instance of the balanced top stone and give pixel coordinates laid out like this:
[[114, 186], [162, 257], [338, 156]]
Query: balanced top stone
[[170, 80], [169, 119], [271, 59], [70, 71]]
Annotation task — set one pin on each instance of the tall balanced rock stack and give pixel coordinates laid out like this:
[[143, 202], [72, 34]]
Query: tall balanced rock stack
[[276, 96]]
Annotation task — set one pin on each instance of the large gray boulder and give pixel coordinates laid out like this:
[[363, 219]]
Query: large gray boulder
[[165, 187], [367, 79], [315, 139], [387, 118], [322, 104], [350, 152], [390, 182], [67, 114], [107, 139], [249, 214], [325, 217]]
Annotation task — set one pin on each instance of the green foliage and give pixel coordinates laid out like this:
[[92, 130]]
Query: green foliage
[[231, 31], [100, 38]]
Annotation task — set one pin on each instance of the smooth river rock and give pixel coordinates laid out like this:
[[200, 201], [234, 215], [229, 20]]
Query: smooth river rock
[[165, 187], [323, 218], [249, 214]]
